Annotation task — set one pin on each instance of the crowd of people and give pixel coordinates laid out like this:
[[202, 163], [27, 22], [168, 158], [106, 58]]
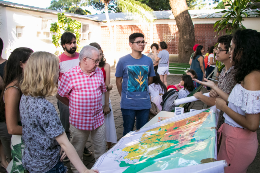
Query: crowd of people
[[237, 97], [33, 138], [236, 94]]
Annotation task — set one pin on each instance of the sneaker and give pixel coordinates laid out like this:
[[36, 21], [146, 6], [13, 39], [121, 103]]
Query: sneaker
[[87, 152]]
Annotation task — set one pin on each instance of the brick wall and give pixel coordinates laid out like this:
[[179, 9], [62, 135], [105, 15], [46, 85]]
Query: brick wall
[[167, 33], [154, 33], [205, 35]]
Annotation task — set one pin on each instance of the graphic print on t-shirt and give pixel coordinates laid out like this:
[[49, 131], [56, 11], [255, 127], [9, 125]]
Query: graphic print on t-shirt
[[137, 78]]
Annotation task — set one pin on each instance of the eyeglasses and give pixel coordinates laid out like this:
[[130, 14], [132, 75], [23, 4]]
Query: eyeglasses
[[140, 42], [218, 49], [95, 61]]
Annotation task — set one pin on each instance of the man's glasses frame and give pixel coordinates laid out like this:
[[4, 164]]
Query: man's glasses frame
[[95, 61], [218, 49], [140, 42]]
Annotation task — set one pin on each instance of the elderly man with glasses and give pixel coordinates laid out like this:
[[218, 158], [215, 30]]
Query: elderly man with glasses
[[84, 85], [136, 71]]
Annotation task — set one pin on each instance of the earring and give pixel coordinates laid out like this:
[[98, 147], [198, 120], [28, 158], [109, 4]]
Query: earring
[[230, 60]]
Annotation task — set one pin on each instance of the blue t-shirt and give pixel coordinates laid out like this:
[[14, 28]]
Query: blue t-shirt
[[135, 73]]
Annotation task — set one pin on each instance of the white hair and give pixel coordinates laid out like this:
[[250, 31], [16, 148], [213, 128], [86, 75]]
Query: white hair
[[87, 51]]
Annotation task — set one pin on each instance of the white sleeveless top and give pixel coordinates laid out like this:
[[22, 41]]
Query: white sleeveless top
[[243, 102]]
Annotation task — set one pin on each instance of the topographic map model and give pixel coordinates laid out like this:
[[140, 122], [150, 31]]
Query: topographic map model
[[172, 144]]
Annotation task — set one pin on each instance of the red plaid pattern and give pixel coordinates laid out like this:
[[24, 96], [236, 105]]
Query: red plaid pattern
[[85, 95]]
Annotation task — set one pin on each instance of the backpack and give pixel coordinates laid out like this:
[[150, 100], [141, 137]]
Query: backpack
[[168, 100]]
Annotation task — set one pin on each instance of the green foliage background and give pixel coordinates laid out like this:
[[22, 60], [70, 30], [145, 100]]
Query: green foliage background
[[234, 15], [64, 24]]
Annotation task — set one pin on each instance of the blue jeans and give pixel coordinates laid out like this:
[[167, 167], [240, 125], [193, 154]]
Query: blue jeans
[[129, 115], [58, 168]]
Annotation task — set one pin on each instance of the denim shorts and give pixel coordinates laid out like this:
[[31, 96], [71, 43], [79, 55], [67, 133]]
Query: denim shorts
[[58, 168]]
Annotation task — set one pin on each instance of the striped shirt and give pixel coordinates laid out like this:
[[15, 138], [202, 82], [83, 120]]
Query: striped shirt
[[67, 62]]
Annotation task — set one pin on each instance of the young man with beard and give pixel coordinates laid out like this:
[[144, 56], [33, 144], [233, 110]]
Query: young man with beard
[[226, 78], [136, 71], [68, 59]]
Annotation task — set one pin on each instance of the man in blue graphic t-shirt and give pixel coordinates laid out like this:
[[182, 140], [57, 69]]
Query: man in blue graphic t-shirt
[[136, 70]]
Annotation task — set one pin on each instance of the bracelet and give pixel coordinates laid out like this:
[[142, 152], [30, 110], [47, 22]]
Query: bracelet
[[108, 89]]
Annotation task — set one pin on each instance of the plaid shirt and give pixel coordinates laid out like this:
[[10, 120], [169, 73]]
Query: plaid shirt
[[85, 95]]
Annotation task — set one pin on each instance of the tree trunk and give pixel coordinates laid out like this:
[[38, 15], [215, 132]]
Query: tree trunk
[[109, 26], [185, 28]]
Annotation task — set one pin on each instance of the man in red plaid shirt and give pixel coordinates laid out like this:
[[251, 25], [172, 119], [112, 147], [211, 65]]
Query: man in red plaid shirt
[[84, 85]]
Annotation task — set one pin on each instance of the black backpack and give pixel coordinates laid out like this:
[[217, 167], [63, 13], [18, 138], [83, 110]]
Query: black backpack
[[168, 100]]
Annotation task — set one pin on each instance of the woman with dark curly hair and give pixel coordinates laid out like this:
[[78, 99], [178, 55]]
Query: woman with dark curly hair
[[242, 107]]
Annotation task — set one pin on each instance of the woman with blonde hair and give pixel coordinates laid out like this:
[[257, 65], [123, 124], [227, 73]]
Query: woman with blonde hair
[[43, 133]]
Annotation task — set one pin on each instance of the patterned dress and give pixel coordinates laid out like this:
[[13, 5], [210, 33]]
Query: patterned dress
[[41, 125]]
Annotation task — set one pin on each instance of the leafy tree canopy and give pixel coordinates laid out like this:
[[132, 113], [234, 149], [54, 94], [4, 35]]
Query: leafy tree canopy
[[220, 5], [141, 10], [71, 6], [98, 5], [156, 5]]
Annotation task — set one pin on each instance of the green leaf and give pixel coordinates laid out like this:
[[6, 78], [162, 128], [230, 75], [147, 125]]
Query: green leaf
[[66, 24]]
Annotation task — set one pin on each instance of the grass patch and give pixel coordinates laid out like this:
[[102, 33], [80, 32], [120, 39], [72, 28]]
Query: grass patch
[[178, 68], [176, 72], [184, 65]]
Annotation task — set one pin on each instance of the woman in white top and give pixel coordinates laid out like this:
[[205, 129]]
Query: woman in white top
[[242, 107], [211, 61], [156, 90]]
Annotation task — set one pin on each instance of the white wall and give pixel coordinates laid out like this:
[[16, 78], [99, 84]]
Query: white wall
[[252, 23], [3, 29], [31, 21]]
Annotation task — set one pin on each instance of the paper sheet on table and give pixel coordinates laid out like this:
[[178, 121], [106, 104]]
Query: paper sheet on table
[[187, 99], [179, 142]]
